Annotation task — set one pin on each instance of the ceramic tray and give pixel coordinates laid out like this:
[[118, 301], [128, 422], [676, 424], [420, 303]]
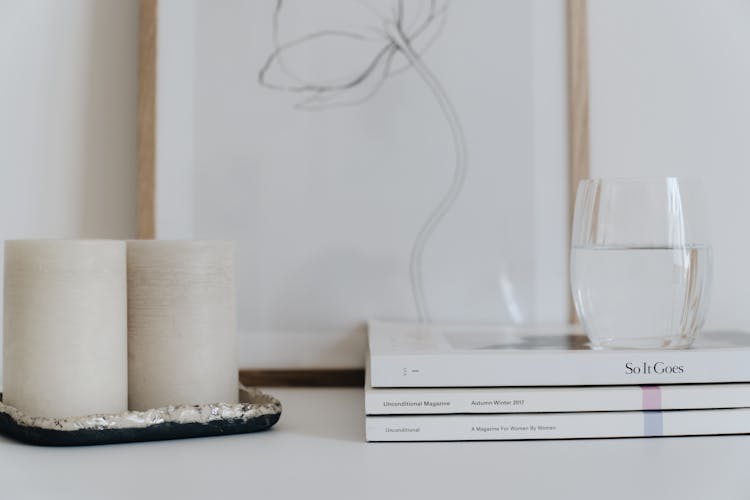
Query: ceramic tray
[[255, 412]]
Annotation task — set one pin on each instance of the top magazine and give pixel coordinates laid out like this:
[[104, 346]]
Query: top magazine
[[433, 355]]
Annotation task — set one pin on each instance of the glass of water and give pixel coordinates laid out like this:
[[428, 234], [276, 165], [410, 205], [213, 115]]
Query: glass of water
[[640, 262]]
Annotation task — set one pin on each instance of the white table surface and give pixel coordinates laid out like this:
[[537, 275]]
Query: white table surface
[[317, 450]]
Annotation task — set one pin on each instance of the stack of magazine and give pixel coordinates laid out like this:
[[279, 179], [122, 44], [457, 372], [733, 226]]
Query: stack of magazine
[[451, 383]]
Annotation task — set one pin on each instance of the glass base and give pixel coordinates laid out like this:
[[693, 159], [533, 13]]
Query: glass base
[[642, 343]]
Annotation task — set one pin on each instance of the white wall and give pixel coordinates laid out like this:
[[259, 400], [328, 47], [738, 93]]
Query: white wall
[[670, 95], [68, 90]]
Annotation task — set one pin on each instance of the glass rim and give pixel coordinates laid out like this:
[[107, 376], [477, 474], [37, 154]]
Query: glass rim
[[639, 179]]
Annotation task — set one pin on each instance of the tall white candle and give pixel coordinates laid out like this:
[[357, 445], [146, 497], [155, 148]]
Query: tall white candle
[[181, 323], [64, 325]]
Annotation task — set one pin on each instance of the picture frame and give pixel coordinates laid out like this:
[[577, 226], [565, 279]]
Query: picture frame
[[315, 361]]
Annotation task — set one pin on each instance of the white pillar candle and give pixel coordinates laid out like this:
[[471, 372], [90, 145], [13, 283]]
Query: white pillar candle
[[64, 325], [181, 323]]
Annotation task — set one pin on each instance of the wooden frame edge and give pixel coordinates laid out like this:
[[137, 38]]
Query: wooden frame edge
[[578, 163], [354, 377], [146, 173], [578, 108]]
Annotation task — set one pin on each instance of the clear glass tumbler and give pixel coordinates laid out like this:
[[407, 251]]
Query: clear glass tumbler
[[640, 262]]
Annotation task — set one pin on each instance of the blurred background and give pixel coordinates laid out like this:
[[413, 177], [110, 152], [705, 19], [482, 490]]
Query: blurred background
[[669, 96]]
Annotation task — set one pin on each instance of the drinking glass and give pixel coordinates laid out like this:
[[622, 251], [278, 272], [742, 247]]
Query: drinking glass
[[640, 262]]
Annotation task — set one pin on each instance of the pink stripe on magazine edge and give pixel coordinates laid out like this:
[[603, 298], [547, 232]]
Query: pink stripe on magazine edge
[[651, 397]]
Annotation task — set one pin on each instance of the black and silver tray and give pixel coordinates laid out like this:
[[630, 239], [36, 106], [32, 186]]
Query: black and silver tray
[[255, 412]]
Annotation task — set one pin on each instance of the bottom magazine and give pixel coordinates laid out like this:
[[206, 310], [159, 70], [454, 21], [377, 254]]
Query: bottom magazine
[[480, 427]]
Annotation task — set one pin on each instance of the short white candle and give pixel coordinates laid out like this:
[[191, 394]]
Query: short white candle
[[64, 324], [181, 323]]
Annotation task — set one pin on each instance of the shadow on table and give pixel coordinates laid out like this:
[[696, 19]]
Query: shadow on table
[[337, 414]]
